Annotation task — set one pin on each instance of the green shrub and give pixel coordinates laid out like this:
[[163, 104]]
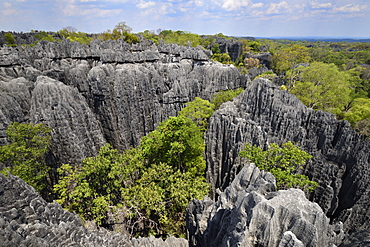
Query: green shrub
[[9, 39], [223, 96], [24, 156], [283, 162]]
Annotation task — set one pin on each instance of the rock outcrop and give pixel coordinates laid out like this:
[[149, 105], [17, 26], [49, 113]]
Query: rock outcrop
[[232, 47], [264, 114], [250, 213], [27, 220], [104, 92]]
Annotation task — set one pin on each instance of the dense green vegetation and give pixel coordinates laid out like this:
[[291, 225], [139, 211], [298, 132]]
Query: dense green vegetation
[[283, 162], [151, 184], [24, 155], [147, 187], [328, 76]]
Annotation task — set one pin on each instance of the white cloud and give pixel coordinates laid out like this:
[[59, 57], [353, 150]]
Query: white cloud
[[257, 5], [145, 5], [159, 10], [230, 5], [76, 10], [316, 5], [275, 8], [350, 8], [8, 12], [7, 5]]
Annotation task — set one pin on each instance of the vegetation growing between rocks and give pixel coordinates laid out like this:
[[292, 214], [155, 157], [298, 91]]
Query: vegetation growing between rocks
[[283, 162], [148, 187], [223, 96], [24, 155]]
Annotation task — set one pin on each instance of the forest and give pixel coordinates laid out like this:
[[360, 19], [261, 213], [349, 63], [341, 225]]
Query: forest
[[147, 188]]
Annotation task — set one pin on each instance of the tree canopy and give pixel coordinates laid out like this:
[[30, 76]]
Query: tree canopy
[[321, 86], [24, 155], [148, 187], [283, 162]]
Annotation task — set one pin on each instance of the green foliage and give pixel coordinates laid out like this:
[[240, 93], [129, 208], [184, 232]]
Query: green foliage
[[24, 155], [359, 110], [216, 49], [288, 57], [199, 111], [9, 39], [177, 142], [267, 75], [253, 45], [90, 189], [223, 96], [283, 162], [161, 194], [180, 37], [45, 36], [74, 36], [150, 35], [147, 187], [120, 31], [322, 86], [222, 58]]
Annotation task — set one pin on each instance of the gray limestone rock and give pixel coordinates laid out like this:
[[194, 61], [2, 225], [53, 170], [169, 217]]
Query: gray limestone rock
[[27, 220], [105, 91], [233, 47], [250, 213], [265, 114]]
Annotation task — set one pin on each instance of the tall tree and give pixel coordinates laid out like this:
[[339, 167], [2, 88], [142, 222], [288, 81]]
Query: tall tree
[[287, 58], [322, 86], [24, 155]]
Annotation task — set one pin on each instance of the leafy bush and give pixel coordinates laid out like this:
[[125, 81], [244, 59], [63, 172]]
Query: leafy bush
[[9, 39], [289, 57], [45, 36], [199, 111], [121, 31], [24, 156], [223, 96], [283, 162], [222, 58], [73, 36]]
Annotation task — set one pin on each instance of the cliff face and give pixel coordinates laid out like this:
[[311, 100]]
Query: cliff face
[[105, 92], [265, 114]]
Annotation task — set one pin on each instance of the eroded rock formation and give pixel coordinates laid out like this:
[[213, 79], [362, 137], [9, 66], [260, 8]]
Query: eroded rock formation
[[105, 92], [27, 220], [265, 114], [251, 213], [114, 92]]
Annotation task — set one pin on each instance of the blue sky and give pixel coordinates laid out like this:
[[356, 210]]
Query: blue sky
[[259, 18]]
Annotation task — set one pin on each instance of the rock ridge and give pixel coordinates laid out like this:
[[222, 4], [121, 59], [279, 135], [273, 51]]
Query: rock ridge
[[264, 114], [250, 212], [105, 91]]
